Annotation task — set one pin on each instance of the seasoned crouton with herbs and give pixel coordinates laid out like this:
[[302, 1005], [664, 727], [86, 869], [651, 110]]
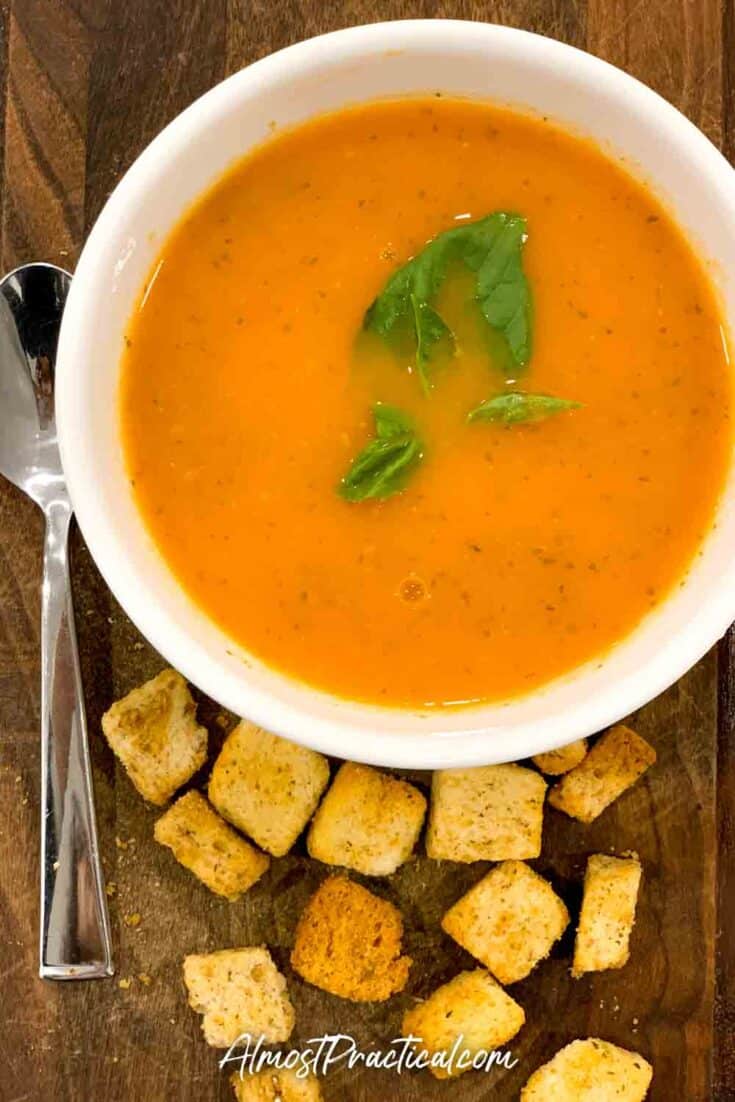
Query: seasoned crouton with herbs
[[556, 762], [154, 732], [239, 991], [590, 1071], [508, 921], [492, 813], [613, 764], [368, 821], [471, 1012], [608, 913], [276, 1085], [204, 844], [266, 786], [348, 942]]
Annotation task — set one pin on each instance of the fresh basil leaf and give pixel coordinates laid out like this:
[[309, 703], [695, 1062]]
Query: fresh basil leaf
[[491, 248], [383, 466], [515, 408], [503, 292], [430, 330], [390, 421]]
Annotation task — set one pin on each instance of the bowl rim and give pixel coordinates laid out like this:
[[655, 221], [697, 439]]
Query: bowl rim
[[392, 748]]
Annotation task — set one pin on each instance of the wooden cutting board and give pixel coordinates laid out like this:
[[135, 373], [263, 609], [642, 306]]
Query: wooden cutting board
[[86, 84]]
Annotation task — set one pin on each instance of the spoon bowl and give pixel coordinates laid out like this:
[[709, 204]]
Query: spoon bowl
[[31, 304]]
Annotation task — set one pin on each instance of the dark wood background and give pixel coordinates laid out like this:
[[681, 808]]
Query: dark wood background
[[85, 85]]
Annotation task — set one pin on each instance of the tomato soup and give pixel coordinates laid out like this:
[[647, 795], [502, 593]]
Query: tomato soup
[[509, 551]]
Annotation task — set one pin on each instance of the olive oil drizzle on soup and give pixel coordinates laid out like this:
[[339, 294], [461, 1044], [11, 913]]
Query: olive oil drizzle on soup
[[514, 552]]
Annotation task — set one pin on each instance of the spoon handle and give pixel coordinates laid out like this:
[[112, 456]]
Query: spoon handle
[[75, 932]]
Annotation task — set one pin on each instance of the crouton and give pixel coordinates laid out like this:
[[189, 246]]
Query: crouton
[[556, 762], [494, 813], [348, 942], [509, 920], [203, 843], [590, 1071], [472, 1012], [266, 786], [608, 913], [367, 821], [613, 764], [239, 991], [276, 1085], [154, 732]]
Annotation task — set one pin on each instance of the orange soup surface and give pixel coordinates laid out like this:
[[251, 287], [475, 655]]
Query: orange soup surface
[[514, 553]]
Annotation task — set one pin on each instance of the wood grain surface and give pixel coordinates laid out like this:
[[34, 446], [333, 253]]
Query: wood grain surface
[[85, 84]]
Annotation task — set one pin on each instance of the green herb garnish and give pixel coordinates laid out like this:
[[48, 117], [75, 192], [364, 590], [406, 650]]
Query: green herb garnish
[[490, 247], [514, 408], [430, 330], [383, 466]]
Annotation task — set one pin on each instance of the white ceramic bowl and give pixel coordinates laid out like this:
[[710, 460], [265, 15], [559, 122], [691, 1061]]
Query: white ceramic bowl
[[349, 66]]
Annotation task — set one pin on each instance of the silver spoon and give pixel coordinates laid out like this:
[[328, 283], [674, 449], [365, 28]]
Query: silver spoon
[[75, 932]]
